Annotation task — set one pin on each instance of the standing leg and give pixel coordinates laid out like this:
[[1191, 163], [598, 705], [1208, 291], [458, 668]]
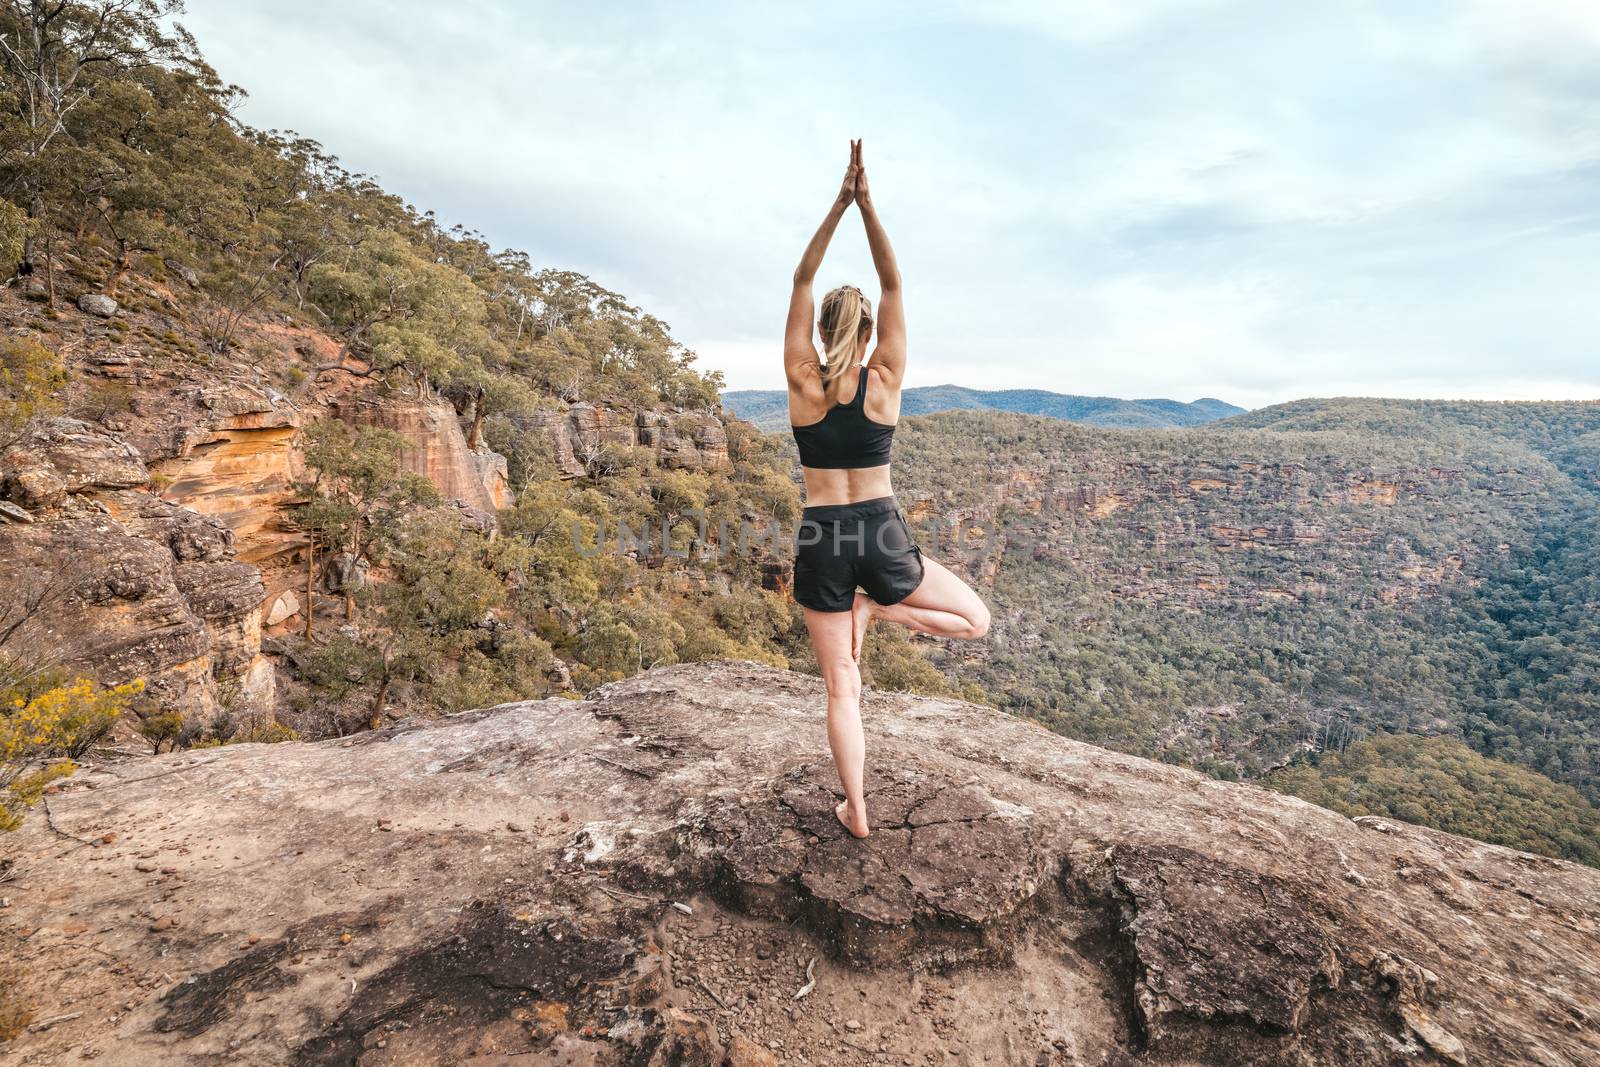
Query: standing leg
[[943, 605], [830, 638]]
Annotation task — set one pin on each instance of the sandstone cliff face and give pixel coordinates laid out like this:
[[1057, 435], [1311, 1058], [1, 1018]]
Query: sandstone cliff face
[[436, 449], [209, 434], [651, 875], [685, 440], [1319, 527], [236, 462], [127, 585]]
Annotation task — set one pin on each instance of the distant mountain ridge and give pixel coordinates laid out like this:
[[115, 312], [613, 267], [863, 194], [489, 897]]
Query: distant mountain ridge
[[768, 409]]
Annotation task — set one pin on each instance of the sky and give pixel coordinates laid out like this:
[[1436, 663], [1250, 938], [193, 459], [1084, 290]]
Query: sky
[[1245, 199]]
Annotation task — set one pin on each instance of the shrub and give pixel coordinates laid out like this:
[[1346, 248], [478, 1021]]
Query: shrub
[[42, 733], [271, 732], [160, 727], [30, 377]]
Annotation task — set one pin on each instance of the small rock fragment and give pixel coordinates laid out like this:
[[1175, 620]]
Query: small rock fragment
[[743, 1052]]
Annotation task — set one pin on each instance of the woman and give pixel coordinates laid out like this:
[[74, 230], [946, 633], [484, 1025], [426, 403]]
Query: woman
[[843, 409]]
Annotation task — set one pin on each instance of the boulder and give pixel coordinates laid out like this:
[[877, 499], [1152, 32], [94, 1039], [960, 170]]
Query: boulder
[[97, 304], [284, 605], [655, 875], [343, 573]]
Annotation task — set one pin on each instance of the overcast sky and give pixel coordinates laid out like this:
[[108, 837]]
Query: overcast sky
[[1248, 199]]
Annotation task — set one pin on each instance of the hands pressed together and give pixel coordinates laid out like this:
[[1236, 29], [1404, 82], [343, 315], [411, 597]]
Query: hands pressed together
[[853, 190], [854, 187]]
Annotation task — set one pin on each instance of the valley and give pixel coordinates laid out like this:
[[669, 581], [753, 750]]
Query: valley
[[1288, 582]]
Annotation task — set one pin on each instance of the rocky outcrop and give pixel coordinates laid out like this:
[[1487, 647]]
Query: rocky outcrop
[[119, 584], [680, 439], [655, 876], [237, 462], [63, 456], [436, 449]]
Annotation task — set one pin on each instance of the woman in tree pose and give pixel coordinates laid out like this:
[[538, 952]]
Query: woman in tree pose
[[843, 408]]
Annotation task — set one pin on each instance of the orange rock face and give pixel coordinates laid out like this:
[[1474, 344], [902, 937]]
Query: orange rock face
[[436, 449], [242, 476]]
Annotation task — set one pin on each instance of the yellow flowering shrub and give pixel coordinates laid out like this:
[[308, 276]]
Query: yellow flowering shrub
[[41, 734]]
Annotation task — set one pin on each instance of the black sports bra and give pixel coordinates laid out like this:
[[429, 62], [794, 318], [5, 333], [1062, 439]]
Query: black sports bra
[[844, 437]]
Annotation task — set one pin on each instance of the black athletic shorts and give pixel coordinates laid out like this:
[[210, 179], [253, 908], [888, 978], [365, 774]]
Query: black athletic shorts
[[841, 546]]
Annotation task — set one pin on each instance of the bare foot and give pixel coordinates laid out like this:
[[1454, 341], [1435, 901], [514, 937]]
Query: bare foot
[[857, 826], [860, 619]]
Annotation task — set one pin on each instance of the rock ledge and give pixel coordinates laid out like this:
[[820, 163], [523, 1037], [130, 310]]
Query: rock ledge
[[643, 877]]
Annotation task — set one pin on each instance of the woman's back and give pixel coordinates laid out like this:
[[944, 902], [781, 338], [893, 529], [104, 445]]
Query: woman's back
[[845, 453], [847, 437]]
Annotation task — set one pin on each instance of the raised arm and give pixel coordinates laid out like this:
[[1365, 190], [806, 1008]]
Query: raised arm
[[800, 354], [890, 355]]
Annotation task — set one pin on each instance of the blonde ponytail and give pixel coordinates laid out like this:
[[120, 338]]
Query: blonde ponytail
[[846, 314]]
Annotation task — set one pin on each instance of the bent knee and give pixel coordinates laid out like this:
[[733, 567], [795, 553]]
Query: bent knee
[[978, 624]]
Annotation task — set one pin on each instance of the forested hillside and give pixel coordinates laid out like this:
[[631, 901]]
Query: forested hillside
[[768, 409], [1287, 583]]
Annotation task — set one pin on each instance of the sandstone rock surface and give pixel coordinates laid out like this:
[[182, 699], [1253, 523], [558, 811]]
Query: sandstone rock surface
[[62, 456], [680, 439], [237, 462], [437, 450], [117, 583], [651, 875]]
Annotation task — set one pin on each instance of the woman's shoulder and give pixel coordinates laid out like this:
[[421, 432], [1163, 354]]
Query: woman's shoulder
[[805, 380], [881, 378], [807, 397]]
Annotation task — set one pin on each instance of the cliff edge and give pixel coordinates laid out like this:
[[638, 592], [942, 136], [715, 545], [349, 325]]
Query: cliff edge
[[654, 876]]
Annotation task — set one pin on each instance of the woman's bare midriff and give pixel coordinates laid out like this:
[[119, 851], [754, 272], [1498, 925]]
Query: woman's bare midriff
[[845, 486]]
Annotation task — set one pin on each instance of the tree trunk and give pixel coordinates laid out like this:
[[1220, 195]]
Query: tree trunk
[[476, 434], [311, 570], [344, 582], [381, 701]]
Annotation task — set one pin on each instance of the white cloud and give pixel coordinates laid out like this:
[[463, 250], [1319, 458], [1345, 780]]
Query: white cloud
[[1171, 197]]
